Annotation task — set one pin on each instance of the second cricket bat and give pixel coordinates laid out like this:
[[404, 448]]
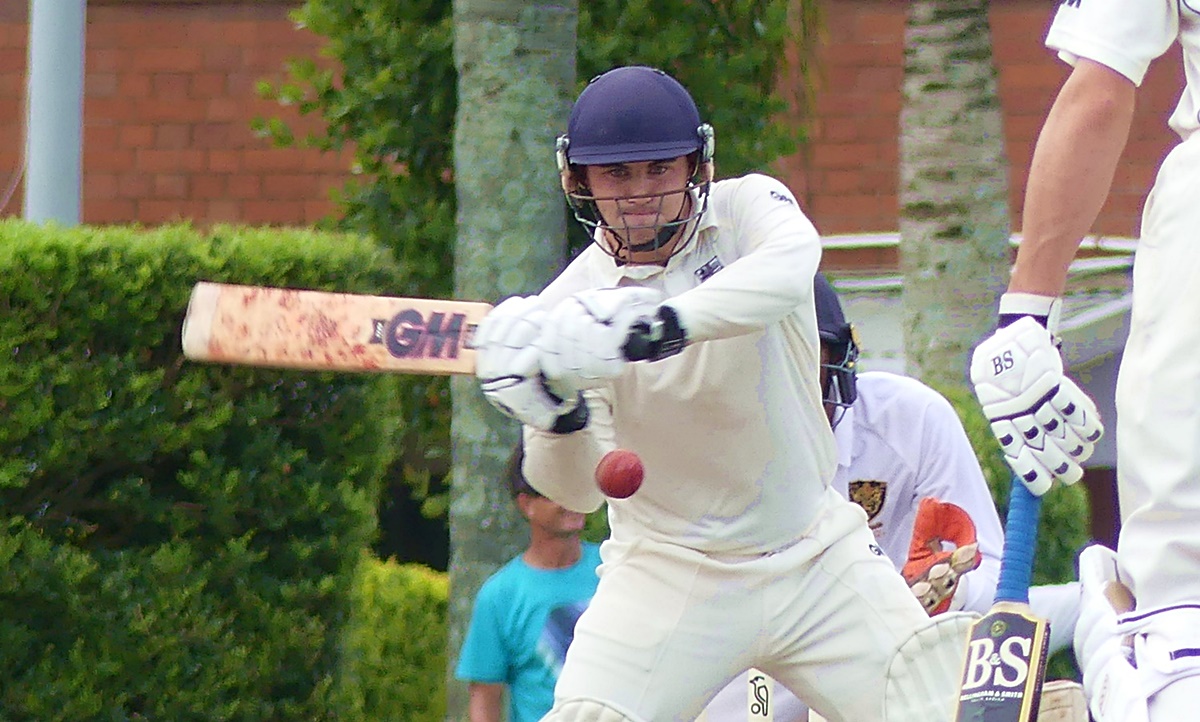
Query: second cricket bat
[[323, 331], [1006, 652]]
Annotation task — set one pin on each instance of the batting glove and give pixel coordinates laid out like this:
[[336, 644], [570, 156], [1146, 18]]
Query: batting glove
[[585, 340], [933, 573], [506, 364], [1046, 425]]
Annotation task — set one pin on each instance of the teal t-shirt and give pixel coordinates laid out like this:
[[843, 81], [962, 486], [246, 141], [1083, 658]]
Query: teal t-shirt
[[523, 621]]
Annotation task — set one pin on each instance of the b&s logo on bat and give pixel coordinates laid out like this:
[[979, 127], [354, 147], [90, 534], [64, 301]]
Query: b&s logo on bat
[[411, 334], [1003, 665]]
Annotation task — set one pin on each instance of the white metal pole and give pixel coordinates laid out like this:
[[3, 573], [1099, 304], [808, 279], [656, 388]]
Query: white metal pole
[[54, 125]]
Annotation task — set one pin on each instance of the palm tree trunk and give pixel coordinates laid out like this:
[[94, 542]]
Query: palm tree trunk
[[516, 70], [953, 192]]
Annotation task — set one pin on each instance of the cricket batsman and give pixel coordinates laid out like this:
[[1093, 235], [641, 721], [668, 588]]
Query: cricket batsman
[[736, 552]]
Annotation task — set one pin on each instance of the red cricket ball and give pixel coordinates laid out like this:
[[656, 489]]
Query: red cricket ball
[[619, 474]]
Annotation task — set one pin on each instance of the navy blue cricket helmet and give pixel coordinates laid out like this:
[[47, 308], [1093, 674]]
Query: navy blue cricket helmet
[[841, 339], [634, 114]]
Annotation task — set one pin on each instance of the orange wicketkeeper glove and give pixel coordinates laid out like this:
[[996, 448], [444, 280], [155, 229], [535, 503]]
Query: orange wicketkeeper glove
[[931, 572]]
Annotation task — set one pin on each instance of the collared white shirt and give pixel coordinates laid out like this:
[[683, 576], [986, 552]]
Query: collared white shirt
[[731, 431], [902, 441]]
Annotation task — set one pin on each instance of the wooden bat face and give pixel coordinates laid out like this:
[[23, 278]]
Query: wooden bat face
[[1006, 661], [322, 331]]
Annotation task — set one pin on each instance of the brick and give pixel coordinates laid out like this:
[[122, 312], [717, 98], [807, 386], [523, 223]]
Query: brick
[[245, 187], [153, 160], [170, 86], [136, 136], [272, 211], [171, 185], [209, 187], [173, 136], [101, 212]]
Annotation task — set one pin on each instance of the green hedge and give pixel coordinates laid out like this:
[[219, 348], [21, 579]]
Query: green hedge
[[394, 648], [179, 540]]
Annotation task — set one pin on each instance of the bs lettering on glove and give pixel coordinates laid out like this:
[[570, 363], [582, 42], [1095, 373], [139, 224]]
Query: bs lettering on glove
[[933, 572], [1047, 426], [584, 341], [506, 365]]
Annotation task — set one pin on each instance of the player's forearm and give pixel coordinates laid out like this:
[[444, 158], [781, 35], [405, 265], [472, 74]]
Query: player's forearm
[[1071, 174], [562, 466]]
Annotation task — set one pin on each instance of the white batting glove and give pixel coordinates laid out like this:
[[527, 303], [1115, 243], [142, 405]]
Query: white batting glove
[[583, 339], [506, 364], [1045, 424]]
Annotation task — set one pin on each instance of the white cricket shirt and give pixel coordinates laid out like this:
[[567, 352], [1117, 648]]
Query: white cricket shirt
[[1126, 35], [902, 441], [732, 432]]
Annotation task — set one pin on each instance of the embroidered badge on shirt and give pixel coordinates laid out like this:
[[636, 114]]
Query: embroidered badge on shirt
[[869, 494]]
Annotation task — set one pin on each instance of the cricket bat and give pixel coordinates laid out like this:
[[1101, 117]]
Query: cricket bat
[[1006, 651], [323, 331]]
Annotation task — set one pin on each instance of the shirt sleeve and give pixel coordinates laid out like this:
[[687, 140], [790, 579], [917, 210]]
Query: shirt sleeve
[[1125, 35], [483, 657], [778, 252]]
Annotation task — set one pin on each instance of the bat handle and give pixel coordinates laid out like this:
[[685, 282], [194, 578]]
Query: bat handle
[[1020, 541]]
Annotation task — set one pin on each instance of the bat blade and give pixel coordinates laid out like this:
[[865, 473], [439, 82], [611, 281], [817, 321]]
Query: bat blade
[[1006, 651], [324, 331]]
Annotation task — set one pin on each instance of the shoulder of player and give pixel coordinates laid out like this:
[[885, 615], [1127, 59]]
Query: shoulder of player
[[752, 187], [886, 395]]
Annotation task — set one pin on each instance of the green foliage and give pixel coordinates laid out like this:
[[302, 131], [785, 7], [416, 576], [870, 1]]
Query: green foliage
[[177, 538], [394, 647], [388, 89]]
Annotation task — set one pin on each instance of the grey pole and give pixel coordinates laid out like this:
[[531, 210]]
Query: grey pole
[[54, 145]]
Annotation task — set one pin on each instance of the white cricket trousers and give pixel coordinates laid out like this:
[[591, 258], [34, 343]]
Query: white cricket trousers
[[669, 626], [1158, 393]]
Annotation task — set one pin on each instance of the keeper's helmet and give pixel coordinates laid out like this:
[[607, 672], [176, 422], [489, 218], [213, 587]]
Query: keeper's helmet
[[632, 114], [841, 339]]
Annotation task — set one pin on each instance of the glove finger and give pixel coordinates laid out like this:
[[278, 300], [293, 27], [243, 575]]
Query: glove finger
[[496, 326], [1063, 435], [1036, 477], [1078, 410]]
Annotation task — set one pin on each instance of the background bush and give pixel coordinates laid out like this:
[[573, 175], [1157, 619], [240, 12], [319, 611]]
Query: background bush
[[394, 648], [179, 540]]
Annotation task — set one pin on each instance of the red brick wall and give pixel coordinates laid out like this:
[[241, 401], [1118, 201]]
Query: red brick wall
[[170, 96], [848, 177]]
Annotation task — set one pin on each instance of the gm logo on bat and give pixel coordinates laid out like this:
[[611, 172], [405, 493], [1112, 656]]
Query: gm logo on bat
[[409, 334]]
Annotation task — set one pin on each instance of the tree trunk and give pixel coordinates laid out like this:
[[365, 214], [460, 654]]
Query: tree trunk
[[953, 192], [516, 69]]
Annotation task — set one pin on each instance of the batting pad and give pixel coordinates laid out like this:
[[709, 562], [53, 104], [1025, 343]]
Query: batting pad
[[924, 675], [588, 710]]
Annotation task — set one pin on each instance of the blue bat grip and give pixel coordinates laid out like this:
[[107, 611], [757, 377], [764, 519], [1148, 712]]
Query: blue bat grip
[[1020, 541]]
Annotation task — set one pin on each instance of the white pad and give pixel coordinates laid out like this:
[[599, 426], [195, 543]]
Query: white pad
[[588, 710], [1110, 680], [924, 674], [1166, 644]]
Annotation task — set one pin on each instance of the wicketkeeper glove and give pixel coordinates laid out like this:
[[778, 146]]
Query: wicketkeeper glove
[[932, 572], [1046, 425], [506, 364], [585, 340]]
